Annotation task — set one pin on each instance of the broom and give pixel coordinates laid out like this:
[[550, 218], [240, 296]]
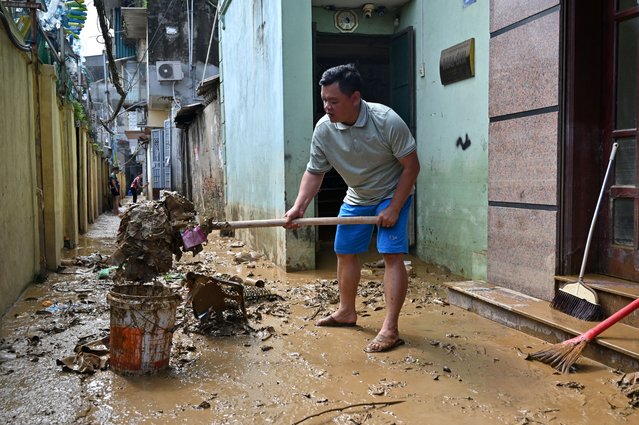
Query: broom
[[577, 299], [562, 356]]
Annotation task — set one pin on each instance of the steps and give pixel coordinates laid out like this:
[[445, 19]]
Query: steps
[[617, 347], [612, 293]]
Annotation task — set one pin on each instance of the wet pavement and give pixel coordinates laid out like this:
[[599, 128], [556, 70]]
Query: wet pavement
[[455, 367]]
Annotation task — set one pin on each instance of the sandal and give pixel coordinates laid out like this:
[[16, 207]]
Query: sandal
[[329, 321], [382, 343]]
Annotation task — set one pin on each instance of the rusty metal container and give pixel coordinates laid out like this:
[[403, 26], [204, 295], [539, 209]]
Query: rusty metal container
[[142, 321]]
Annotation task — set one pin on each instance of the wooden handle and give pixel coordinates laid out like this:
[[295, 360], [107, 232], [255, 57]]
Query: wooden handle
[[312, 221]]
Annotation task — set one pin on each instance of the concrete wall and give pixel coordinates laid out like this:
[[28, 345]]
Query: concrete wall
[[451, 198], [51, 119], [70, 177], [83, 203], [73, 180], [19, 244], [298, 122], [262, 132], [523, 154], [205, 162]]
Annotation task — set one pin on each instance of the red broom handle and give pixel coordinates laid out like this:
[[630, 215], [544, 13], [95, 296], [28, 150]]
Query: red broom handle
[[592, 333]]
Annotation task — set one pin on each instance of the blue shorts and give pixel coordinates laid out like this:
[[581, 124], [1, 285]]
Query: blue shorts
[[355, 238]]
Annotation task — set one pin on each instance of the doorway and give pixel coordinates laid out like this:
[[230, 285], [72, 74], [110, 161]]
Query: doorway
[[385, 63], [601, 88]]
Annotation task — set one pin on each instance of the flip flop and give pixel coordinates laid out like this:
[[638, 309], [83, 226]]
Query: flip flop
[[382, 343], [329, 321]]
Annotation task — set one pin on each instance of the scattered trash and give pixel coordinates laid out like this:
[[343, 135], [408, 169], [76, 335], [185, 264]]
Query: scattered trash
[[254, 282], [375, 264], [571, 384], [56, 308], [88, 358], [244, 257], [193, 237], [440, 301], [629, 385], [107, 273], [92, 260]]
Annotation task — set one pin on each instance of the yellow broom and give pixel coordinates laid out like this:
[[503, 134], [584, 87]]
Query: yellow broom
[[577, 299]]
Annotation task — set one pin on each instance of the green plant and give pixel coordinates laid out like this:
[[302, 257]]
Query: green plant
[[79, 113]]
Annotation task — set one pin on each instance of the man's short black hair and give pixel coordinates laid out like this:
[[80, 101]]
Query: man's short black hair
[[347, 76]]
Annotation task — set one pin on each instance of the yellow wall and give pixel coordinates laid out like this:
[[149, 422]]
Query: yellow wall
[[19, 240], [83, 151], [70, 174], [35, 222], [53, 180]]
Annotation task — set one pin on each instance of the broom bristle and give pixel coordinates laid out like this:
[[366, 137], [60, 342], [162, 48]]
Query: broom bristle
[[576, 307], [560, 356]]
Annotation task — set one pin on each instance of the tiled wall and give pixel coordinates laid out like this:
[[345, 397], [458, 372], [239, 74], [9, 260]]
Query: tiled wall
[[523, 140]]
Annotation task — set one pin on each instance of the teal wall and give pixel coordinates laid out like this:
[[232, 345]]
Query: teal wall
[[298, 121], [451, 199], [266, 120], [251, 71]]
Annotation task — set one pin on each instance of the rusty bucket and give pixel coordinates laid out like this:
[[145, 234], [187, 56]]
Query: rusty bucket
[[142, 320]]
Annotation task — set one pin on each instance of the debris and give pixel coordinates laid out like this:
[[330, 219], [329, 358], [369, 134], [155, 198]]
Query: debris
[[571, 384], [88, 357], [150, 233], [375, 264], [107, 273], [629, 385], [254, 282], [339, 409], [215, 299], [192, 237], [95, 259], [439, 301]]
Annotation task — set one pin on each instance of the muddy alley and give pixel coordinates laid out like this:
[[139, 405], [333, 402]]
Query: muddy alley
[[277, 367]]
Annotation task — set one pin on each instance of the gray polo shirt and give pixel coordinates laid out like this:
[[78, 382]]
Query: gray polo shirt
[[364, 154]]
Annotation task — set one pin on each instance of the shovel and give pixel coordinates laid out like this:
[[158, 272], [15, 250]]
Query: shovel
[[278, 222]]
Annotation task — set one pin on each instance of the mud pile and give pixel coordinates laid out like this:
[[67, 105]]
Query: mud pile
[[150, 233]]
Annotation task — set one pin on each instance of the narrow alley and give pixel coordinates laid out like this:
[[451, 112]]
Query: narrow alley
[[455, 367]]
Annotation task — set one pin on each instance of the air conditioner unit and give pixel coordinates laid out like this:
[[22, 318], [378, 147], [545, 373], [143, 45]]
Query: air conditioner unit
[[169, 70]]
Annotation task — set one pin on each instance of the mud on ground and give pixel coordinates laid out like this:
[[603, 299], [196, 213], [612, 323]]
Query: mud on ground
[[455, 367]]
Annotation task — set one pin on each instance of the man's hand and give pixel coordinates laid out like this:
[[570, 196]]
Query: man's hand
[[292, 214], [388, 217]]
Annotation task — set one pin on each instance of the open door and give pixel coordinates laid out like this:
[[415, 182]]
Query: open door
[[386, 63], [402, 65]]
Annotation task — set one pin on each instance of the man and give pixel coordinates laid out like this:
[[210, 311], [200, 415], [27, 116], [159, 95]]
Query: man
[[114, 185], [373, 150], [136, 185]]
